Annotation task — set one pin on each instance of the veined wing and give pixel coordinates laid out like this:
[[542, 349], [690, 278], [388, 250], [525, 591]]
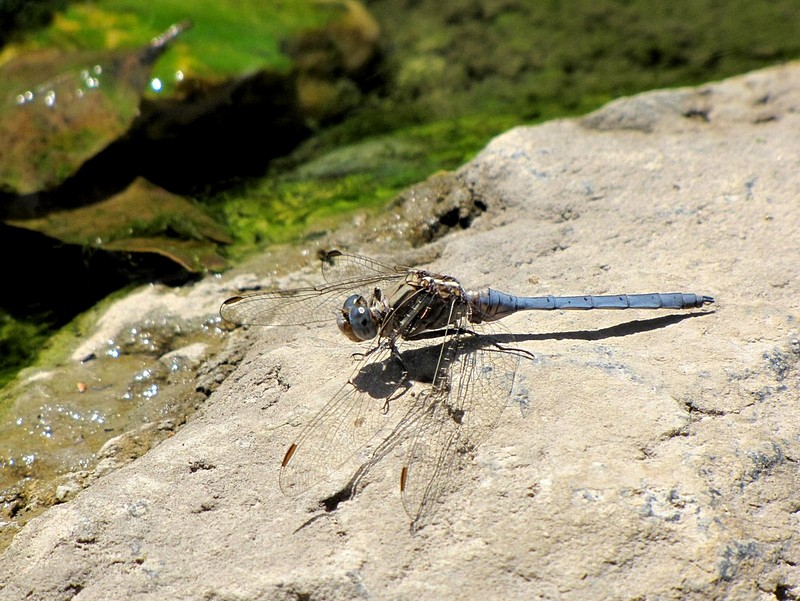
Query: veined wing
[[474, 380], [361, 409], [353, 417], [300, 306], [339, 267]]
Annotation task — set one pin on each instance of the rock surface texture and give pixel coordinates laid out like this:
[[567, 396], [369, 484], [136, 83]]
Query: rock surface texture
[[656, 457]]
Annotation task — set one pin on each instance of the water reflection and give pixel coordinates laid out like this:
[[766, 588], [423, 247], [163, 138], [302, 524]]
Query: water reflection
[[53, 425]]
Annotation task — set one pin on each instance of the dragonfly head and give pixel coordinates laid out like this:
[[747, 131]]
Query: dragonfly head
[[356, 321]]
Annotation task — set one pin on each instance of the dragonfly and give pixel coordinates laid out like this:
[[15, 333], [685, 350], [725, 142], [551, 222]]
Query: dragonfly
[[399, 311]]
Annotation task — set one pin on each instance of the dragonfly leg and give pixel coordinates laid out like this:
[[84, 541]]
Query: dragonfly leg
[[399, 358], [500, 347], [362, 356], [514, 350]]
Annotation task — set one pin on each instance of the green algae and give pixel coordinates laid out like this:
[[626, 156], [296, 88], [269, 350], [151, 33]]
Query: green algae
[[228, 38], [301, 203]]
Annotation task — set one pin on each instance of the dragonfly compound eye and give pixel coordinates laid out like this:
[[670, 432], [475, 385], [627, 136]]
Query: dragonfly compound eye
[[352, 301], [356, 321], [362, 322]]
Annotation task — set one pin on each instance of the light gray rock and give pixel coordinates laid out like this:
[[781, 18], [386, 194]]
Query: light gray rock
[[657, 458]]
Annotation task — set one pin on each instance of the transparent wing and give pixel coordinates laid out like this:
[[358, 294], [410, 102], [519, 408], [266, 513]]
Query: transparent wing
[[339, 267], [358, 412], [475, 378], [353, 417], [346, 275]]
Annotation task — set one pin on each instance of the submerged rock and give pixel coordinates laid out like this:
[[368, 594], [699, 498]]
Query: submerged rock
[[57, 110]]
